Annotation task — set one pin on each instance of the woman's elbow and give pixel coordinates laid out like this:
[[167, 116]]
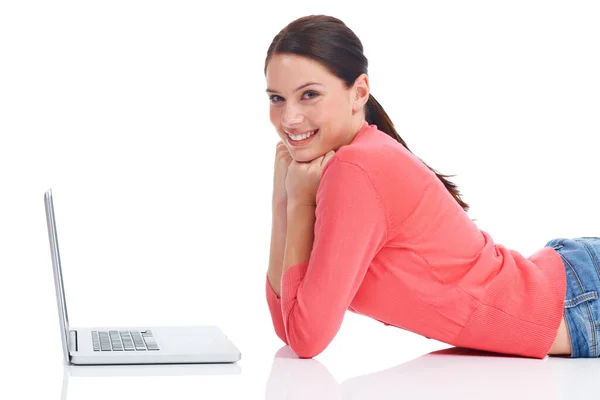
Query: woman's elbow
[[307, 348]]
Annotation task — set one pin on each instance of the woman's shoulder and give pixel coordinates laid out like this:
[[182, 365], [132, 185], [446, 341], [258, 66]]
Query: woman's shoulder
[[390, 167], [376, 156]]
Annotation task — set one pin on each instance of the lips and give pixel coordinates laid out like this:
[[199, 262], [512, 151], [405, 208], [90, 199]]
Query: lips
[[300, 142]]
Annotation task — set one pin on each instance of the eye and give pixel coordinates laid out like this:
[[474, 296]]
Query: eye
[[277, 99], [273, 98], [311, 92]]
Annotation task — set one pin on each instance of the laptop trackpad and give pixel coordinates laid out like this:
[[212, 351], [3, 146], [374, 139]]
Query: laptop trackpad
[[191, 342]]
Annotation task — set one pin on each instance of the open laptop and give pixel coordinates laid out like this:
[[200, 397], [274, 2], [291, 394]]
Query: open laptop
[[133, 345]]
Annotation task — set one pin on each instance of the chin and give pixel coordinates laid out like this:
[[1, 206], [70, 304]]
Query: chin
[[303, 155], [301, 158], [306, 155]]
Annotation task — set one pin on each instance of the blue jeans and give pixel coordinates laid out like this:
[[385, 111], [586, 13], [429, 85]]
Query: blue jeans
[[581, 258]]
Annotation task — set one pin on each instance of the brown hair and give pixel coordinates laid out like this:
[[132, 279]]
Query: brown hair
[[330, 42]]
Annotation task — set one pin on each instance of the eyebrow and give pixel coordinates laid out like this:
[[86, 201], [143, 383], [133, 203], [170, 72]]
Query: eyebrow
[[298, 88]]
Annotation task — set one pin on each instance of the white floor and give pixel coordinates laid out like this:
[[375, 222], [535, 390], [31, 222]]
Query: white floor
[[395, 366]]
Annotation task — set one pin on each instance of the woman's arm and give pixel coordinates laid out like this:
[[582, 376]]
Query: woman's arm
[[273, 279], [278, 237], [328, 252], [300, 234], [295, 250]]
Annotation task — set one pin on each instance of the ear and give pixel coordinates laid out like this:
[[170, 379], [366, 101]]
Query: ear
[[360, 92]]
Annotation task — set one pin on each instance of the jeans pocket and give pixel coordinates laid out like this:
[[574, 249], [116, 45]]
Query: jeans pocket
[[582, 298]]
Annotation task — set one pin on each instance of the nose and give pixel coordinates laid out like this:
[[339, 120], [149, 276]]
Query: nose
[[291, 116]]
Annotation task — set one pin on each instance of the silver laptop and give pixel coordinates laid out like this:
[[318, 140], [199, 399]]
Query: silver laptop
[[133, 345]]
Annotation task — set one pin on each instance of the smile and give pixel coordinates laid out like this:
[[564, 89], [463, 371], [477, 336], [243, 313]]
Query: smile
[[303, 138]]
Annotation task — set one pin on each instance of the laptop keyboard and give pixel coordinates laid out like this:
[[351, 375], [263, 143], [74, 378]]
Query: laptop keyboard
[[124, 341]]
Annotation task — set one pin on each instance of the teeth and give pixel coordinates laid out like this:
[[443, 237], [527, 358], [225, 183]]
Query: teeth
[[302, 136]]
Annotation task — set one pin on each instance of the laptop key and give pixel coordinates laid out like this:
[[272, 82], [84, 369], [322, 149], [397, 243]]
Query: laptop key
[[114, 340]]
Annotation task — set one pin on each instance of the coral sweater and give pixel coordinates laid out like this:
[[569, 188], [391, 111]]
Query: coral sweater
[[391, 243]]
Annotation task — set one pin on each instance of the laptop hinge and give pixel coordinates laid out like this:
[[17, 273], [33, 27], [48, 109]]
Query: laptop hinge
[[73, 343]]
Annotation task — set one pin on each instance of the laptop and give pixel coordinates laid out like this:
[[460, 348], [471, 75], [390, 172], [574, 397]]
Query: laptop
[[133, 345]]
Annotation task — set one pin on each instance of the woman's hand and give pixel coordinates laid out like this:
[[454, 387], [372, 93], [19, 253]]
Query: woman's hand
[[303, 180], [282, 162]]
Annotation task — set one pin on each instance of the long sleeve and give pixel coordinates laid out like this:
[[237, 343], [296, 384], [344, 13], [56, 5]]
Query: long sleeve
[[350, 228], [274, 303]]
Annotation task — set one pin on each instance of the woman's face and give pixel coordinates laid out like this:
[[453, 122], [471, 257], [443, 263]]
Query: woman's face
[[304, 96]]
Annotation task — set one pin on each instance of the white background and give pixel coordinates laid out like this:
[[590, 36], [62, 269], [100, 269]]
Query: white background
[[149, 120]]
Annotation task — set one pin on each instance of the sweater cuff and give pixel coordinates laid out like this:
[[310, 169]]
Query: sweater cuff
[[291, 280], [274, 303], [271, 295]]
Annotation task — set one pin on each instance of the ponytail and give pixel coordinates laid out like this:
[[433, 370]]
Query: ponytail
[[376, 115]]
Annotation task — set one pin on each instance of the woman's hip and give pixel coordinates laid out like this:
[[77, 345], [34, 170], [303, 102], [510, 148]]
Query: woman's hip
[[581, 259]]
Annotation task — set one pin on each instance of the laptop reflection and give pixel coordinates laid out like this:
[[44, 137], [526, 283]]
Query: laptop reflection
[[71, 370]]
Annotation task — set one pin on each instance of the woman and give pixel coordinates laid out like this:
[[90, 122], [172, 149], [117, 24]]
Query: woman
[[362, 224]]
